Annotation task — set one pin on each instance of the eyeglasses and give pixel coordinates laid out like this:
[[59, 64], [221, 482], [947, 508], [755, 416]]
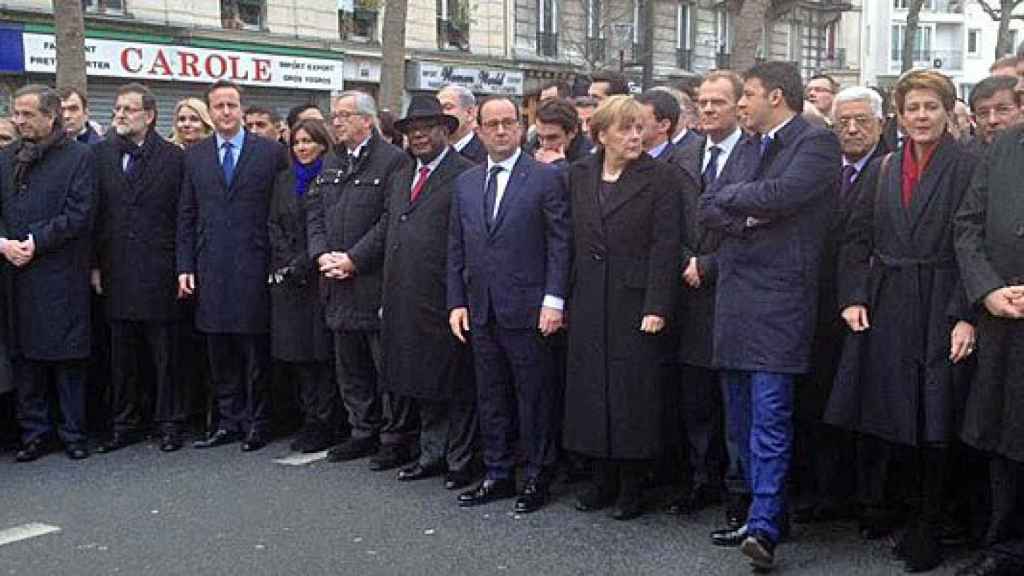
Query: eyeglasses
[[1002, 110], [861, 122], [506, 123], [126, 110], [344, 115]]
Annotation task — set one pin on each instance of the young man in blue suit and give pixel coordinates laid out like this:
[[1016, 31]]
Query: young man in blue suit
[[766, 301], [223, 253], [508, 274]]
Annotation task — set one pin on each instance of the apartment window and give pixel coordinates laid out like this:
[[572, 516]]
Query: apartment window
[[684, 35], [453, 24], [115, 7], [636, 27], [974, 42], [243, 14], [547, 27], [594, 29], [922, 48], [723, 31], [1013, 41], [903, 4], [357, 20], [794, 43], [831, 40]]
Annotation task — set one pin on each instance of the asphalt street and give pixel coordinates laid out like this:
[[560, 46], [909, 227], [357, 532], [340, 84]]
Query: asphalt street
[[221, 511]]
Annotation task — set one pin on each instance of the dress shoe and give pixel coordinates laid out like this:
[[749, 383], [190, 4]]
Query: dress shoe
[[352, 449], [117, 441], [696, 500], [488, 491], [729, 537], [33, 451], [418, 472], [254, 441], [533, 498], [77, 451], [760, 550], [170, 442], [594, 498], [456, 479], [736, 510], [390, 456], [219, 437], [626, 509], [311, 439], [991, 565]]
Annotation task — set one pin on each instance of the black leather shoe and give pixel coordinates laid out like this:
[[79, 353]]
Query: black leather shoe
[[254, 441], [456, 479], [77, 451], [390, 456], [696, 500], [593, 498], [311, 439], [736, 510], [729, 537], [33, 451], [488, 491], [170, 442], [417, 472], [760, 550], [219, 437], [533, 498], [117, 441], [990, 565], [352, 449]]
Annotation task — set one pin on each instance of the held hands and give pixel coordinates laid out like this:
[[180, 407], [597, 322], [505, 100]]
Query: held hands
[[550, 321], [652, 324], [186, 285], [96, 281], [692, 274], [458, 321], [961, 341], [856, 318], [18, 253], [336, 265], [1006, 302]]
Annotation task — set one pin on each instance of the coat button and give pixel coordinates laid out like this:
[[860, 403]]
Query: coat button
[[403, 217]]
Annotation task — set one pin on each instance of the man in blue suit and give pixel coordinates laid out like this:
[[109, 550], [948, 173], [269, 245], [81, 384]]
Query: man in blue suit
[[223, 259], [767, 291], [508, 274]]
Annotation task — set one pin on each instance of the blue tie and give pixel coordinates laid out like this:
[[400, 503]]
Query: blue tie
[[228, 163], [491, 193], [711, 170], [766, 143]]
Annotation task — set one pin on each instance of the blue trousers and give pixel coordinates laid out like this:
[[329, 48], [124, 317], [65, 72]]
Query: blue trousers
[[761, 422]]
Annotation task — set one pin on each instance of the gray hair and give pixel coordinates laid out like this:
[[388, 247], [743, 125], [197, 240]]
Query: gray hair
[[860, 94], [365, 104], [465, 96]]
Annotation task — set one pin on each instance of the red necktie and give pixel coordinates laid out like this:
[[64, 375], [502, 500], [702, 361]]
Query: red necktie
[[420, 183]]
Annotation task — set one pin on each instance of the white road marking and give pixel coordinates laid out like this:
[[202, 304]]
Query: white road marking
[[26, 531], [302, 459]]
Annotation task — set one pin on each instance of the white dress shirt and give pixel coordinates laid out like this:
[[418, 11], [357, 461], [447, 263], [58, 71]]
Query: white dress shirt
[[464, 141], [725, 148]]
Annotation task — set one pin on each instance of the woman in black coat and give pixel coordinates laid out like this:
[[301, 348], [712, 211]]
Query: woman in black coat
[[901, 380], [298, 335], [626, 218]]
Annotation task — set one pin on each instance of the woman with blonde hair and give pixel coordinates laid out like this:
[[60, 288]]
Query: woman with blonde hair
[[192, 122]]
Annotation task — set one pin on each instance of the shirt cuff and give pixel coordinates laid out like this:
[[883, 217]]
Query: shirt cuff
[[553, 302]]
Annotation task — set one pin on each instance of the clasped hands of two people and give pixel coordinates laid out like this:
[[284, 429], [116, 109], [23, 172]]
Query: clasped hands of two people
[[1005, 302], [18, 252]]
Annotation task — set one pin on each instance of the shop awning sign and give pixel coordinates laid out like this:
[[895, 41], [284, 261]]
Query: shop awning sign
[[140, 61], [430, 76]]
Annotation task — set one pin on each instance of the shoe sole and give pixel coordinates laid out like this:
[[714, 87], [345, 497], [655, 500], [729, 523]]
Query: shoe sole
[[759, 557]]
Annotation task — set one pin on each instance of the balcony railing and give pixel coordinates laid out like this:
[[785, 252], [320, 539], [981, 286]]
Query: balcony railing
[[684, 58], [547, 44], [835, 61], [938, 59]]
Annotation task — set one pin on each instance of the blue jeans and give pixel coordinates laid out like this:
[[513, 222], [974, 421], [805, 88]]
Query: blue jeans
[[761, 422]]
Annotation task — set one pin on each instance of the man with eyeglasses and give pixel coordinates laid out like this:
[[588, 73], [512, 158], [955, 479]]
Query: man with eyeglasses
[[996, 107], [138, 184], [820, 91]]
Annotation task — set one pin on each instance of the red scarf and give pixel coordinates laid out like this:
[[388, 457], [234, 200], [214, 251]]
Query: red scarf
[[912, 170]]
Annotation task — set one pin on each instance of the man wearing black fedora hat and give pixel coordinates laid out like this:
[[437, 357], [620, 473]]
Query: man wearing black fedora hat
[[424, 365]]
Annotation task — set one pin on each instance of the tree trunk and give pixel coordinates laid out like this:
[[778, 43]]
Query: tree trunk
[[748, 32], [647, 37], [1003, 46], [67, 16], [907, 55], [392, 68]]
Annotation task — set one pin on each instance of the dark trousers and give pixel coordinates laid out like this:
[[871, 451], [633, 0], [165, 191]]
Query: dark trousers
[[387, 417], [515, 376], [1006, 527], [447, 432], [761, 422], [317, 393], [704, 419], [135, 349], [239, 370], [825, 457], [34, 378]]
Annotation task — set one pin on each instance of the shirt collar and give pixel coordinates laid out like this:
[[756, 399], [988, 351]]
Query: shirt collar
[[358, 151], [464, 141], [859, 164], [676, 139], [726, 145], [657, 150], [433, 163], [508, 163], [774, 131], [236, 141]]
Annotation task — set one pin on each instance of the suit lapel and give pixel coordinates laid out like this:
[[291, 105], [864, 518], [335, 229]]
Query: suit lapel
[[439, 176], [213, 154], [892, 202], [247, 151], [926, 186], [517, 180], [589, 174], [632, 181]]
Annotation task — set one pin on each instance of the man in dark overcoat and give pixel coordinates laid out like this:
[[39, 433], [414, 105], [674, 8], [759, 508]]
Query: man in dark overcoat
[[766, 298], [422, 360], [138, 186], [48, 187], [342, 208], [989, 232], [223, 255]]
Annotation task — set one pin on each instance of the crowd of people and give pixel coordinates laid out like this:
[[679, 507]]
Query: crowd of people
[[801, 301]]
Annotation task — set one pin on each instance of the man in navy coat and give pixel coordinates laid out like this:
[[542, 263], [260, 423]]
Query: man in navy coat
[[223, 259], [508, 272], [767, 291]]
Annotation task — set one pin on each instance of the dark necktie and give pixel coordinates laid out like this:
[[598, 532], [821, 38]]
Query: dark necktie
[[228, 163], [711, 170], [849, 176], [491, 193], [421, 181]]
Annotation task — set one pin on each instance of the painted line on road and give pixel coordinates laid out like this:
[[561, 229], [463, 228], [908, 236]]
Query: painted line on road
[[26, 531], [301, 459]]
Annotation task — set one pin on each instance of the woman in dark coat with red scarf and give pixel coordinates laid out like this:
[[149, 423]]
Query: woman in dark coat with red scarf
[[902, 377]]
